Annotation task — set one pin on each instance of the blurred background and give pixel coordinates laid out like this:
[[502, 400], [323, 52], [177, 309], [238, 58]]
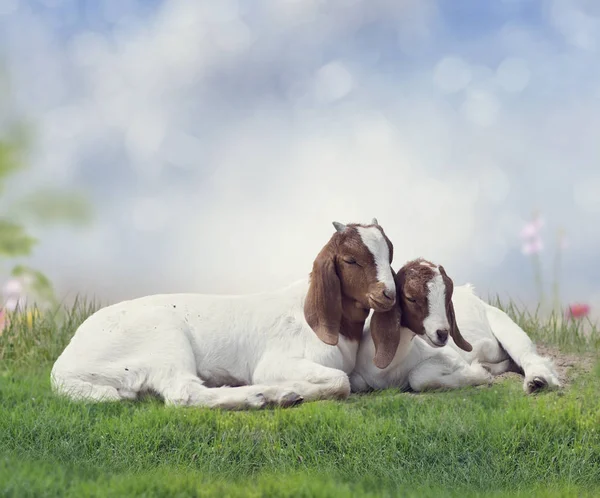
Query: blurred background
[[185, 145]]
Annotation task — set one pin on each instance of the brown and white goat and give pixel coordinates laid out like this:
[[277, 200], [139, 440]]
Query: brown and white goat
[[481, 339], [278, 347]]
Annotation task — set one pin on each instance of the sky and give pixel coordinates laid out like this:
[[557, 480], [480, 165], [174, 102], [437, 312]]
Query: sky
[[218, 141]]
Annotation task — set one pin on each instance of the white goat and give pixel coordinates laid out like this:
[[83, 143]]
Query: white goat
[[428, 311], [238, 351]]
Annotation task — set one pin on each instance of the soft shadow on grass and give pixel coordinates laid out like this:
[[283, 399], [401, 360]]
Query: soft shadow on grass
[[490, 440]]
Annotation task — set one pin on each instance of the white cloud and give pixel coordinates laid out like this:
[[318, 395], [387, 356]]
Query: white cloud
[[8, 7], [481, 108], [182, 149], [513, 74], [579, 29], [586, 193], [149, 214], [452, 74], [494, 183], [333, 82], [238, 138]]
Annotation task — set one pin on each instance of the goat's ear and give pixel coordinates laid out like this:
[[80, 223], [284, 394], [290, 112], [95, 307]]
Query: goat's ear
[[323, 303], [385, 332], [374, 221], [459, 340]]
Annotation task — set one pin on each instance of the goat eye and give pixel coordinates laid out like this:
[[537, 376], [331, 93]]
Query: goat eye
[[350, 261], [411, 299]]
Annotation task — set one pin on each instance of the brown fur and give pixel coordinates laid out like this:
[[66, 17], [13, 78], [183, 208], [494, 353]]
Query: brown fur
[[454, 331], [411, 283], [341, 294], [385, 332]]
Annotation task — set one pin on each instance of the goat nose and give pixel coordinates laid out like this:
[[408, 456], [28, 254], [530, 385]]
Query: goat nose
[[389, 294], [442, 336]]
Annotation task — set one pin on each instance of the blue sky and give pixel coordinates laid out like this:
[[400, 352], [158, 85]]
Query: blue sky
[[218, 140]]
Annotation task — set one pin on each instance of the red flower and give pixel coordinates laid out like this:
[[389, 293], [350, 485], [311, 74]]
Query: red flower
[[578, 310]]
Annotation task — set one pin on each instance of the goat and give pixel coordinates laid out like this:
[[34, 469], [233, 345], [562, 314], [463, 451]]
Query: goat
[[429, 311], [235, 352]]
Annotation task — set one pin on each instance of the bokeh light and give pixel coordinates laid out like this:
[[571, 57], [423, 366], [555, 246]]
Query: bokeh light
[[218, 140]]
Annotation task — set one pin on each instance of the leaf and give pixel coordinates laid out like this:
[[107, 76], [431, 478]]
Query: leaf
[[10, 162], [13, 144], [55, 206], [14, 241], [36, 282]]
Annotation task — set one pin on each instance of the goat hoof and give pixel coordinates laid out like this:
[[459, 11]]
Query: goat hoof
[[537, 384], [257, 401], [290, 399]]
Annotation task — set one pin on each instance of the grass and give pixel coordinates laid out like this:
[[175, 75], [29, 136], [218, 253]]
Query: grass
[[471, 442], [568, 335]]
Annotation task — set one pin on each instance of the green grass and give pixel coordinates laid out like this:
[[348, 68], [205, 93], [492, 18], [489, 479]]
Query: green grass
[[479, 441], [554, 329]]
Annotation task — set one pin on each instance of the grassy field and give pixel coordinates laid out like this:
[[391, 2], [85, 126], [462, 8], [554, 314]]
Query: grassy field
[[479, 441]]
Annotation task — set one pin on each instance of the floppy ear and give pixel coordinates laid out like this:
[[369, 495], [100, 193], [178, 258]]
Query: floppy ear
[[323, 303], [385, 331], [454, 331]]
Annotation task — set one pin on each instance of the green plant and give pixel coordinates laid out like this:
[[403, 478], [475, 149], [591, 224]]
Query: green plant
[[486, 441], [40, 206]]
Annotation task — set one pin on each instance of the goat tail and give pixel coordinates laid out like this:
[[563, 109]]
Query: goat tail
[[539, 371]]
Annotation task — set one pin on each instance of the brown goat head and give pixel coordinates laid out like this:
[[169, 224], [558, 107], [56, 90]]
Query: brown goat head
[[424, 306], [350, 276]]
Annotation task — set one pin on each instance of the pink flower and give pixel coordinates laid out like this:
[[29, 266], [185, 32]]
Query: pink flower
[[533, 246], [13, 287], [577, 311], [14, 296], [532, 241], [533, 228]]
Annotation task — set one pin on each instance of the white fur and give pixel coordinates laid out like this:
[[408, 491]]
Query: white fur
[[187, 348], [375, 242], [437, 318], [497, 342]]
